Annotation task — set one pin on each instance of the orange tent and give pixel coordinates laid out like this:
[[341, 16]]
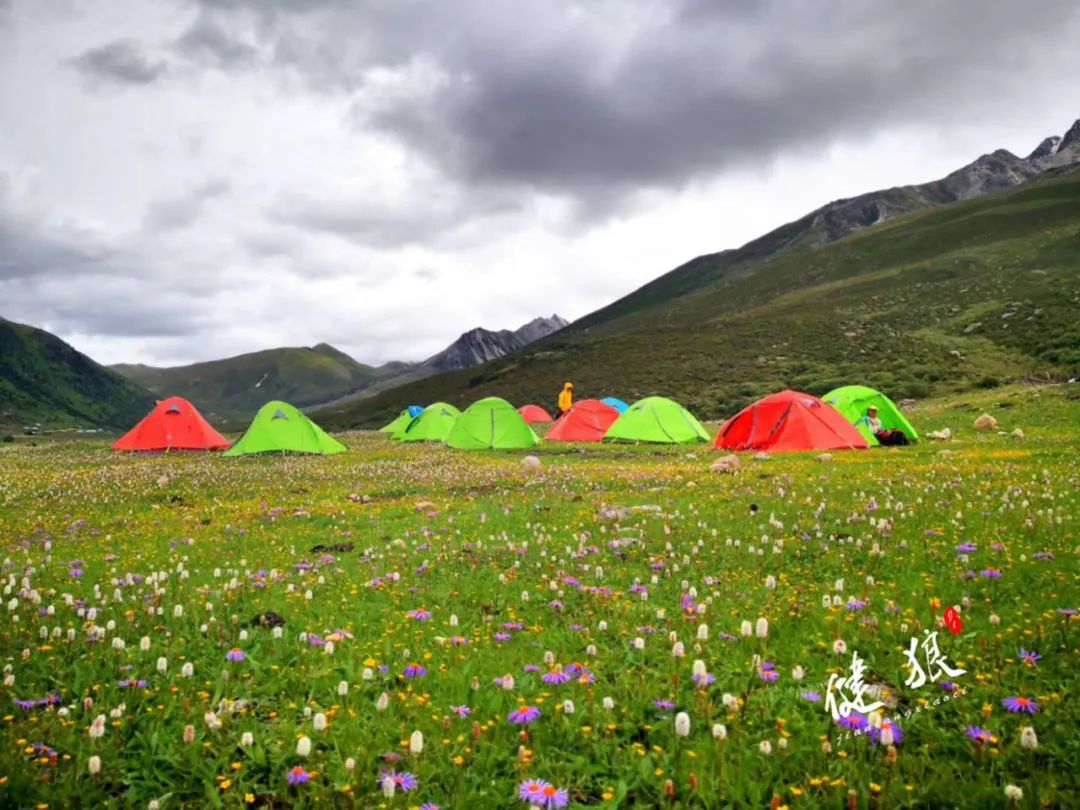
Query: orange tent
[[174, 424], [586, 421], [789, 421], [534, 413]]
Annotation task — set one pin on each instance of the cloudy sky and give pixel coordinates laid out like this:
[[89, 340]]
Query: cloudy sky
[[187, 179]]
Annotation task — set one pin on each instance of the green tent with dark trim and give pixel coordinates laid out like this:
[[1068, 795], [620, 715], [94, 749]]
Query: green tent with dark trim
[[402, 421], [659, 420], [278, 427], [491, 424], [853, 400], [433, 425]]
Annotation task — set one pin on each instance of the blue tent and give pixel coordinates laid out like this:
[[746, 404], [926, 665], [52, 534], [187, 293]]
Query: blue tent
[[615, 403], [415, 410]]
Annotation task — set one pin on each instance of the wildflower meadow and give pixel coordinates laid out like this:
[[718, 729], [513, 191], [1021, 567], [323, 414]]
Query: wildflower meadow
[[417, 627]]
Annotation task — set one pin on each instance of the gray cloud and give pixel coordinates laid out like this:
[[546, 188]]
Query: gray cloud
[[209, 43], [123, 61], [593, 101], [183, 211]]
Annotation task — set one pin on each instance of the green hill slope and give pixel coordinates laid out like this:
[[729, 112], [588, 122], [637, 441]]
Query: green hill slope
[[234, 388], [945, 299], [44, 380]]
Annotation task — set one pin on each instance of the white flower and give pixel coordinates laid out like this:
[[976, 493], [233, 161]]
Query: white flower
[[97, 728], [247, 739], [874, 719], [212, 721], [318, 722], [781, 743], [118, 643], [719, 731], [389, 786], [368, 674], [350, 764], [508, 682], [416, 742], [303, 746], [94, 765], [826, 601], [887, 736], [729, 700], [524, 598], [278, 632], [639, 643], [798, 673], [328, 648], [453, 620], [608, 704], [703, 632], [1014, 793], [549, 658], [682, 725], [839, 585], [1028, 738], [678, 650], [762, 628], [590, 650], [839, 647], [602, 626], [995, 620], [187, 670], [178, 611], [765, 747], [343, 689], [698, 668], [746, 629], [144, 643], [568, 707], [162, 664], [153, 805], [383, 701]]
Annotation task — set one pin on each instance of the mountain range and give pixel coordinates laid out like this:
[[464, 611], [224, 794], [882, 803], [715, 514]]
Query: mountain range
[[962, 282], [233, 388]]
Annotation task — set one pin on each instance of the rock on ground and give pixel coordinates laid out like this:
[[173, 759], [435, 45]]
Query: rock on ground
[[986, 423], [726, 464]]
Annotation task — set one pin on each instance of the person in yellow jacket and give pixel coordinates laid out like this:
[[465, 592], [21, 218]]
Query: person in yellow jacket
[[566, 398]]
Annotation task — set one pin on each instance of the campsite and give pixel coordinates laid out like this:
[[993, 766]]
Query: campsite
[[468, 623]]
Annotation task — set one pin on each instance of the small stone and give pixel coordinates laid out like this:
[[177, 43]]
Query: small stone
[[824, 458], [1017, 433], [986, 423], [726, 464], [531, 462]]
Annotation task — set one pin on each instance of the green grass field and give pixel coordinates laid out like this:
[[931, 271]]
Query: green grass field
[[464, 571]]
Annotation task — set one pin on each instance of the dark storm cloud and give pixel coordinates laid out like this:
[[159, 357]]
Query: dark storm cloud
[[123, 61], [594, 100]]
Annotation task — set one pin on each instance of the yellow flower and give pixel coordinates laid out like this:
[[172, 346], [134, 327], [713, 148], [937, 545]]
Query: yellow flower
[[237, 766], [226, 784], [249, 798], [796, 792]]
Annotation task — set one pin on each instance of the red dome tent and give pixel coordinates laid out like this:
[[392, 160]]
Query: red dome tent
[[787, 422], [586, 421], [174, 424], [534, 414]]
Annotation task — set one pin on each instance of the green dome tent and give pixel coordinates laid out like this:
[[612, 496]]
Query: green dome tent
[[402, 421], [853, 400], [433, 425], [491, 424], [659, 420], [278, 427]]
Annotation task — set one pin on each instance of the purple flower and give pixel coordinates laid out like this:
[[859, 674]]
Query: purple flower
[[430, 806], [854, 722], [664, 705], [966, 548], [556, 677], [391, 756], [132, 682], [235, 654], [530, 668], [813, 697], [979, 735], [539, 793], [402, 781], [461, 711], [503, 636], [704, 679], [768, 675], [419, 615], [298, 776], [990, 573], [1029, 657], [886, 723], [855, 604], [1020, 704], [415, 671], [26, 705], [523, 715], [1066, 611]]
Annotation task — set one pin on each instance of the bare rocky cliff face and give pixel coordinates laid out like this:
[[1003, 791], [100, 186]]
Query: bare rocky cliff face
[[480, 345]]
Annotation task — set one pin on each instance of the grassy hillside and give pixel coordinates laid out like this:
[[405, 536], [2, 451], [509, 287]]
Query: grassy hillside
[[234, 388], [44, 380], [949, 299]]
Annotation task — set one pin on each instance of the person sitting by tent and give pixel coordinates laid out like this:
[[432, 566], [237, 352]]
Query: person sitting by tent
[[885, 437], [566, 399]]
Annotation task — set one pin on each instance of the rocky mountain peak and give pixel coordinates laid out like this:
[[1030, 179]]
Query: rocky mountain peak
[[1045, 149], [1072, 137]]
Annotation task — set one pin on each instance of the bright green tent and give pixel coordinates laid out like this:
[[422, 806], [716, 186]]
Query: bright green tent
[[278, 427], [657, 419], [853, 400], [491, 424], [433, 425], [400, 424]]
